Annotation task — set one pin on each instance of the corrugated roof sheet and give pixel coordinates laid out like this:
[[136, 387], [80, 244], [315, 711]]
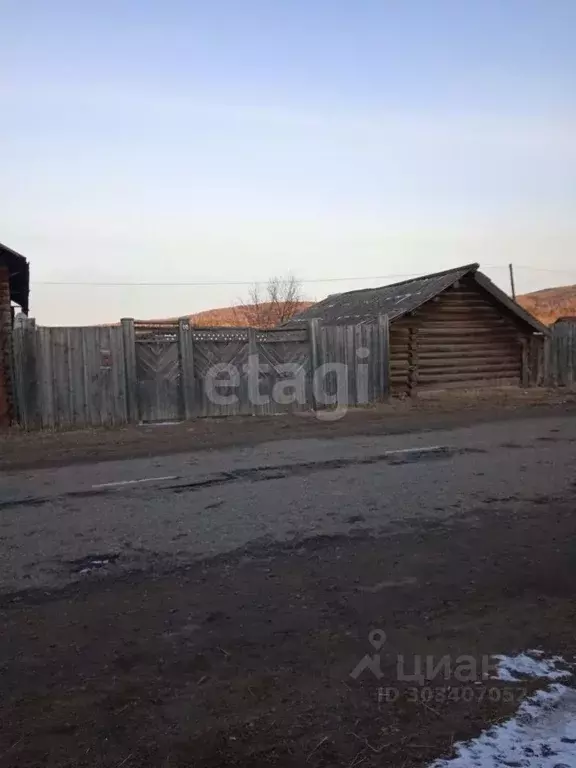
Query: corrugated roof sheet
[[394, 300], [398, 299]]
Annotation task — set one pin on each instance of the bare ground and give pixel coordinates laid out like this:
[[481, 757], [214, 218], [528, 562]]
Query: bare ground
[[19, 450], [245, 659]]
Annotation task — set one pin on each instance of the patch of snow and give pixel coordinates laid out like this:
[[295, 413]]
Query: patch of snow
[[541, 735], [514, 668]]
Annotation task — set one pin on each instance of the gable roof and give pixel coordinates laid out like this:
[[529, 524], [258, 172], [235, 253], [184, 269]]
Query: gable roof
[[19, 270], [398, 299]]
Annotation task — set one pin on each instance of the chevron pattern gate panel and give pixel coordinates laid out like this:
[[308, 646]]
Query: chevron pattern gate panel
[[225, 384], [158, 373], [220, 357], [284, 374]]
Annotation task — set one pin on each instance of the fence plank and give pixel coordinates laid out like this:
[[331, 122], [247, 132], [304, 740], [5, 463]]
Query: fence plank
[[350, 362], [18, 355], [186, 350], [362, 364], [248, 402], [76, 376], [87, 405], [60, 378], [44, 340], [314, 340], [129, 345], [384, 357], [119, 412]]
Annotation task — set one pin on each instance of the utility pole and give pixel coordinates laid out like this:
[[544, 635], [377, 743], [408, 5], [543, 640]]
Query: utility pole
[[512, 286]]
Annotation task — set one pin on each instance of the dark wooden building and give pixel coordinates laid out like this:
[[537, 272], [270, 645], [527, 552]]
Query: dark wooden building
[[447, 330], [14, 288]]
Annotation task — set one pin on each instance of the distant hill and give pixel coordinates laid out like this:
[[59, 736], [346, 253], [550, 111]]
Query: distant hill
[[242, 315], [547, 305], [550, 303]]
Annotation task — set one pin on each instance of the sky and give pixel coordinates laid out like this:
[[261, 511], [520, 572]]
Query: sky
[[209, 145]]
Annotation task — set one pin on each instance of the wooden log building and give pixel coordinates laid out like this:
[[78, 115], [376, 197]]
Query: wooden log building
[[14, 288], [452, 329]]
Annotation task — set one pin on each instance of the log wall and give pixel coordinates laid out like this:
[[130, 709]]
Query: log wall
[[461, 339]]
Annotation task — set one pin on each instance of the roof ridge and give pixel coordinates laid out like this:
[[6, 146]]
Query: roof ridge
[[464, 268], [11, 250]]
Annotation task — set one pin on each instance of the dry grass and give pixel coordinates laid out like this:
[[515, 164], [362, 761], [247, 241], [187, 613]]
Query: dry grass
[[551, 303]]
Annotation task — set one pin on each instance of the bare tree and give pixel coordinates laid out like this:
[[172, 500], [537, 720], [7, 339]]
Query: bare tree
[[272, 304]]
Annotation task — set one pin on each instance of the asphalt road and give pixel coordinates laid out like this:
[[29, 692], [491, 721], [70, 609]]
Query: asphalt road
[[84, 522]]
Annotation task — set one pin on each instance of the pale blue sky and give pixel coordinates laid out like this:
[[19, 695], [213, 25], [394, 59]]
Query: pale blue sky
[[235, 140]]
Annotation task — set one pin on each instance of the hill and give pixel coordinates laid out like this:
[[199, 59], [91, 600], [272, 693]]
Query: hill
[[550, 303], [249, 315], [547, 305]]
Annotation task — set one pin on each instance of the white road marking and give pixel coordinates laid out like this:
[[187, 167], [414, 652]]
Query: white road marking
[[420, 449], [133, 482]]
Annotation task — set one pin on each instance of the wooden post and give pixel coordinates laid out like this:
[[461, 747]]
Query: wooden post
[[31, 375], [129, 339], [384, 351], [313, 339], [512, 285], [186, 354], [252, 356]]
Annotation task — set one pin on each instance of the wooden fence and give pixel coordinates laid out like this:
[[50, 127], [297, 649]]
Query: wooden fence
[[67, 377], [154, 372], [364, 351], [562, 354]]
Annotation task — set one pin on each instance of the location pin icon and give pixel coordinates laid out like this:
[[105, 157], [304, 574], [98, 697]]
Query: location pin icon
[[377, 638]]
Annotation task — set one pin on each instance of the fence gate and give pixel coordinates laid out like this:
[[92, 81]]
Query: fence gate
[[158, 372]]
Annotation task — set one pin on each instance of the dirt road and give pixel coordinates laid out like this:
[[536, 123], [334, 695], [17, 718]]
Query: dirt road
[[209, 609], [20, 450]]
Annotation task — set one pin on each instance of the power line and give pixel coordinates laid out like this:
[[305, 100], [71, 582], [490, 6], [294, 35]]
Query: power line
[[208, 283], [546, 269], [216, 282], [534, 269]]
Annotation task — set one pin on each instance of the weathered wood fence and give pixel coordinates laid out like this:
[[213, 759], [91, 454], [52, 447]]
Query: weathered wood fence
[[67, 377], [562, 354], [154, 372]]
